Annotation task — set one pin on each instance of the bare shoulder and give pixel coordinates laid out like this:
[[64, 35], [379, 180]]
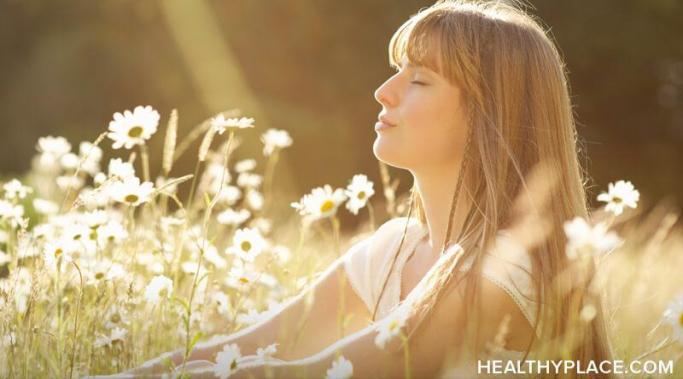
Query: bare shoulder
[[496, 303]]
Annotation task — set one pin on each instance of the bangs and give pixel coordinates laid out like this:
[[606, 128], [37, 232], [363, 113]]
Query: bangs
[[420, 40]]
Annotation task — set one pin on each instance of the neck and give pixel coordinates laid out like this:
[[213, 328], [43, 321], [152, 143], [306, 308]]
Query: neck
[[436, 186]]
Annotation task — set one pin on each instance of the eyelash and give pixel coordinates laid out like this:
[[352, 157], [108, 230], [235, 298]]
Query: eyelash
[[418, 83]]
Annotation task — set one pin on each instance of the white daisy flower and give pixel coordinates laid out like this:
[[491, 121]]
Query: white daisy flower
[[69, 161], [241, 275], [673, 315], [341, 369], [391, 326], [45, 207], [620, 194], [116, 317], [14, 190], [58, 251], [245, 165], [229, 195], [231, 217], [66, 182], [359, 191], [133, 128], [262, 224], [13, 213], [266, 352], [322, 202], [131, 191], [226, 361], [222, 303], [53, 146], [275, 139], [120, 170], [247, 243], [221, 124], [160, 287], [249, 180], [254, 199], [586, 240], [111, 232]]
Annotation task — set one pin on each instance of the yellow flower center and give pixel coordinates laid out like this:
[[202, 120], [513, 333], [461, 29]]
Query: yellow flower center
[[243, 280], [135, 131], [246, 246], [326, 206], [361, 195], [131, 198], [99, 275], [58, 253], [616, 200], [115, 318]]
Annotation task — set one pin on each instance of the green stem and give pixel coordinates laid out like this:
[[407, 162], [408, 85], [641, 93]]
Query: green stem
[[406, 356]]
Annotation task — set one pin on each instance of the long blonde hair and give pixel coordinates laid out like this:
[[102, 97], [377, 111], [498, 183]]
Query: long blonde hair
[[516, 91]]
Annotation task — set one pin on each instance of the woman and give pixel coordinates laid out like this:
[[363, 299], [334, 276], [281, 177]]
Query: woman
[[480, 97]]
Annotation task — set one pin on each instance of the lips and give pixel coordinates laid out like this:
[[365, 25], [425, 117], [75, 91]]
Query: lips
[[386, 121]]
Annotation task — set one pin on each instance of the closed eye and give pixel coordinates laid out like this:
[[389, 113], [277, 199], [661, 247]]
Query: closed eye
[[418, 83]]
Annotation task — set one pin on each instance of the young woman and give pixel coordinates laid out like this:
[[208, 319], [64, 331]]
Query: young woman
[[480, 97]]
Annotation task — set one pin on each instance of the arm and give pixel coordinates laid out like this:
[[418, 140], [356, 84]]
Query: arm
[[307, 323], [437, 338]]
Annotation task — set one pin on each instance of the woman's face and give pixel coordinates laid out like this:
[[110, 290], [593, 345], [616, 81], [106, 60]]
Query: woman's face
[[430, 121]]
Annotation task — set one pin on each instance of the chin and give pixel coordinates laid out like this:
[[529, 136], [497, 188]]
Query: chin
[[390, 154]]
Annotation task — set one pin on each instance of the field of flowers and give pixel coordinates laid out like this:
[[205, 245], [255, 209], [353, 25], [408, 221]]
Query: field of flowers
[[103, 265]]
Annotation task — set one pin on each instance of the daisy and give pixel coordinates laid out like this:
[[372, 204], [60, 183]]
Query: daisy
[[254, 199], [358, 191], [586, 240], [221, 124], [247, 244], [390, 327], [231, 217], [226, 361], [673, 315], [54, 251], [222, 303], [245, 165], [130, 191], [160, 287], [11, 212], [69, 161], [133, 128], [275, 139], [249, 180], [341, 369], [115, 317], [14, 190], [241, 275], [267, 352], [45, 207], [54, 147], [322, 202], [120, 170], [620, 194]]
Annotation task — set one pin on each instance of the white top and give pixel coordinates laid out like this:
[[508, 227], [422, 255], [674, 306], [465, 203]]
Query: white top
[[367, 263]]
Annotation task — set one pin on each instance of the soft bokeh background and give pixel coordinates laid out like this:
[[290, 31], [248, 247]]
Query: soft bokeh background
[[311, 67]]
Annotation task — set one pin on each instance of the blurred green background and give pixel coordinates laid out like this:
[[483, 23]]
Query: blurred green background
[[311, 67]]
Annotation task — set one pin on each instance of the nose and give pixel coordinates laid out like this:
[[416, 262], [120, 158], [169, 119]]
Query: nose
[[384, 96]]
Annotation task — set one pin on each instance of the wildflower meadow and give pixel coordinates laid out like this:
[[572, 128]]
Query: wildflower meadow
[[105, 264]]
